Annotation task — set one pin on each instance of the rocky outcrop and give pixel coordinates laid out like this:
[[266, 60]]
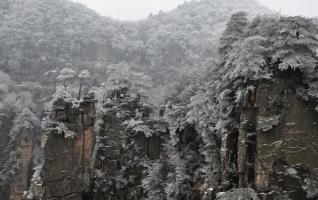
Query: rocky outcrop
[[68, 149], [277, 142]]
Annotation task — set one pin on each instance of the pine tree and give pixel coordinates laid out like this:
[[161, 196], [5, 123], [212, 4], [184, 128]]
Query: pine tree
[[233, 32]]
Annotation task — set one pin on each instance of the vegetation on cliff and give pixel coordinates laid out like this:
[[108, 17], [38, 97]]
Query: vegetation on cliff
[[176, 99]]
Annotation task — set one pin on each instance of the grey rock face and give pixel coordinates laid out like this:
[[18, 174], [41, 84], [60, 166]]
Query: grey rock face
[[276, 161], [67, 157]]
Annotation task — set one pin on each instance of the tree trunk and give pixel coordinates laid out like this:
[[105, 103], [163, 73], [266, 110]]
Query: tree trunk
[[80, 89], [65, 84]]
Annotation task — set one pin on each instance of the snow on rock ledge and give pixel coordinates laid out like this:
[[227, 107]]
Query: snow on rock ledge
[[238, 194]]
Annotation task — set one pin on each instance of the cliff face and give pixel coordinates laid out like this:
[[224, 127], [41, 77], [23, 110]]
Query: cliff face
[[277, 142], [286, 154], [68, 150], [21, 180], [18, 155], [4, 140]]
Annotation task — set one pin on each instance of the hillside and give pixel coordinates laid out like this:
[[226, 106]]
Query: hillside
[[210, 101], [38, 35]]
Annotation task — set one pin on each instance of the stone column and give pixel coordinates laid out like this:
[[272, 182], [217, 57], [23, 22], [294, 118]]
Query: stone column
[[68, 150], [246, 140]]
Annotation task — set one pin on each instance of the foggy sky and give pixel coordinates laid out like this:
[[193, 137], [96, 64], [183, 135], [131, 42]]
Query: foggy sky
[[139, 9], [308, 8]]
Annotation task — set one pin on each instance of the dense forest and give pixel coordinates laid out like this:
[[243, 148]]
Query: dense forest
[[212, 100]]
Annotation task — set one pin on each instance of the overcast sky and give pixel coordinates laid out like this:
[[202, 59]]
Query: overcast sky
[[139, 9]]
